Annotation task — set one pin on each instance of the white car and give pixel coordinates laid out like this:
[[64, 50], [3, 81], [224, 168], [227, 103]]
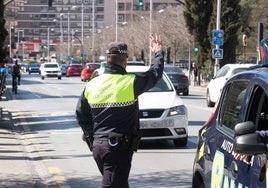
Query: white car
[[50, 70], [218, 81], [163, 115]]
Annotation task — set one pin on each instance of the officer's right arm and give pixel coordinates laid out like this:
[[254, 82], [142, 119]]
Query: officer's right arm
[[84, 116], [150, 78]]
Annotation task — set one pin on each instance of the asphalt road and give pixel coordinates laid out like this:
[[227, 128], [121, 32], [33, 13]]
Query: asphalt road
[[44, 149]]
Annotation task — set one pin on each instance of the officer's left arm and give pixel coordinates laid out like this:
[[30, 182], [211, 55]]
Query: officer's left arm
[[84, 116]]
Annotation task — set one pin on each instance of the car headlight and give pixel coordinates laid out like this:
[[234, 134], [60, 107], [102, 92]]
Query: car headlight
[[177, 110]]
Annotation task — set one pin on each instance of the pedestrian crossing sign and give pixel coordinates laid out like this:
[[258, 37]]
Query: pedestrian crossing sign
[[217, 53]]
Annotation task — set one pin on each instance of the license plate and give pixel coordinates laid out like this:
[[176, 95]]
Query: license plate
[[156, 124]]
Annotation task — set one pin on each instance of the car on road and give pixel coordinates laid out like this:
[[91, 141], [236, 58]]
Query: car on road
[[214, 87], [24, 67], [163, 114], [88, 70], [50, 70], [33, 67], [178, 78], [63, 68], [135, 63], [241, 110], [74, 70]]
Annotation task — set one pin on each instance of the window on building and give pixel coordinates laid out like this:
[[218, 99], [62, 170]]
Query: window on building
[[100, 9], [120, 18], [100, 2], [121, 6], [100, 17]]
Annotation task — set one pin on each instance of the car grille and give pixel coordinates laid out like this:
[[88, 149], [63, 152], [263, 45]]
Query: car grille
[[151, 113], [155, 132], [52, 72]]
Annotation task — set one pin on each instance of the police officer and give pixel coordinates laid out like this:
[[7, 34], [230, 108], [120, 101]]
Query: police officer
[[108, 111]]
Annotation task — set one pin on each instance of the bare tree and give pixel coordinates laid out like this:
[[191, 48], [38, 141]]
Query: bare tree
[[168, 22]]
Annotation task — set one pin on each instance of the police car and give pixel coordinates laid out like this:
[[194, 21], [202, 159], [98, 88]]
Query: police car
[[241, 110]]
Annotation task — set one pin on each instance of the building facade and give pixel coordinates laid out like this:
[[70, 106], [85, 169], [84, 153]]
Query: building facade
[[37, 26]]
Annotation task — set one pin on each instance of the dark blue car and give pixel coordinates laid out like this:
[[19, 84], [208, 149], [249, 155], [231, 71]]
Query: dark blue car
[[241, 109]]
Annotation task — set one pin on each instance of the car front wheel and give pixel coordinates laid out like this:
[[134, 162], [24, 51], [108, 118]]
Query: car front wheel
[[180, 141], [186, 93], [198, 182], [209, 102]]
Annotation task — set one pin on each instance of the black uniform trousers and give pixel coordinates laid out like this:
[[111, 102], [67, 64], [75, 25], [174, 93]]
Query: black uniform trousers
[[113, 165]]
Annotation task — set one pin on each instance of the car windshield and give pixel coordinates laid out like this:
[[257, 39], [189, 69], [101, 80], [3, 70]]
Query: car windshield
[[51, 66], [162, 85], [34, 65], [239, 70], [173, 76], [76, 66], [94, 66], [172, 69]]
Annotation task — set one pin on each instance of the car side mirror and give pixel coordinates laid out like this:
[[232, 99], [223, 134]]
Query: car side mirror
[[249, 144], [244, 128], [247, 141]]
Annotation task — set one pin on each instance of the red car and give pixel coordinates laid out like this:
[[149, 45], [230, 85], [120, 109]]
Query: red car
[[88, 70], [74, 70]]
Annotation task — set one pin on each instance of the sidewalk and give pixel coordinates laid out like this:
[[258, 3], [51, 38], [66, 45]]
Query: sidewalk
[[16, 171]]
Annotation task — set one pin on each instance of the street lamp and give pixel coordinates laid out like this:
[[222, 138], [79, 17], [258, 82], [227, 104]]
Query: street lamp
[[82, 21], [21, 30], [48, 42], [61, 33], [116, 20], [150, 43], [93, 30], [68, 34], [10, 42]]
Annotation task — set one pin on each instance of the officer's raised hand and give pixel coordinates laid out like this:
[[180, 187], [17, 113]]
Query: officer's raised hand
[[156, 42]]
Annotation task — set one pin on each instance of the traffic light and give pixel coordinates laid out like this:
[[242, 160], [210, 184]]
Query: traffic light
[[196, 50], [140, 3]]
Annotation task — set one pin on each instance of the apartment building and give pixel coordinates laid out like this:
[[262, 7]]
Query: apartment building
[[129, 10], [37, 24]]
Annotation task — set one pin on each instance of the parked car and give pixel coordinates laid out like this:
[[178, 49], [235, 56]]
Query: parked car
[[218, 81], [33, 67], [241, 110], [50, 70], [74, 70], [178, 78], [88, 70], [63, 68], [163, 115], [24, 67]]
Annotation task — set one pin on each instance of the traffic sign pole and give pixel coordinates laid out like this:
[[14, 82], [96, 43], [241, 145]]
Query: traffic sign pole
[[216, 66]]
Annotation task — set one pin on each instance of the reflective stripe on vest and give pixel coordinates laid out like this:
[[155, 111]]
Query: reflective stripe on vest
[[110, 90]]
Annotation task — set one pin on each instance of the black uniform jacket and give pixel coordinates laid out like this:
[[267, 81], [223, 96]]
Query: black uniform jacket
[[99, 122]]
